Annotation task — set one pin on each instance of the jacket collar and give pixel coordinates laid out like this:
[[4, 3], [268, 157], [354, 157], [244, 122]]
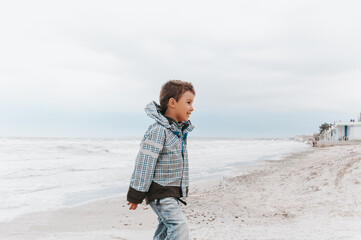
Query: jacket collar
[[153, 110]]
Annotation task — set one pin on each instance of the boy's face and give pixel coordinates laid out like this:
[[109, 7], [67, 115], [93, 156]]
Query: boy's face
[[184, 108]]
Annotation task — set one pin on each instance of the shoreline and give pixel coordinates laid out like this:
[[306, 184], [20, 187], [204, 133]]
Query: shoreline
[[78, 196], [313, 194]]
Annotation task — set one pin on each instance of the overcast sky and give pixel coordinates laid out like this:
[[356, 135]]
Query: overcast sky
[[260, 68]]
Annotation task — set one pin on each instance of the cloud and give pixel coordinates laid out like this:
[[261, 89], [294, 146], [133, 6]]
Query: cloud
[[113, 56]]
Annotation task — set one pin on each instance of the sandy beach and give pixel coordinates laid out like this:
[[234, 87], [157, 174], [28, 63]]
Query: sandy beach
[[315, 194]]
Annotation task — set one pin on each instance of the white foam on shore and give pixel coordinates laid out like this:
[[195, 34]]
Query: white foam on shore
[[39, 174]]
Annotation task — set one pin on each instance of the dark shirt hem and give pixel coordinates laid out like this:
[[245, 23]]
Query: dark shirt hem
[[156, 191]]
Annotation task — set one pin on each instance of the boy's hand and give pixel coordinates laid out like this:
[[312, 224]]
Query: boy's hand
[[133, 206]]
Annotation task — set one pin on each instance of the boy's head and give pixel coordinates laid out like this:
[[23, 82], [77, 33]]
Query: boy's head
[[176, 98]]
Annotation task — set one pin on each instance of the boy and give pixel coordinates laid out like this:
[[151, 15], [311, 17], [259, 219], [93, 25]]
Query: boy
[[161, 174]]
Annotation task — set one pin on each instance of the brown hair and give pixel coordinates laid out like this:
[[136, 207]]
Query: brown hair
[[173, 89]]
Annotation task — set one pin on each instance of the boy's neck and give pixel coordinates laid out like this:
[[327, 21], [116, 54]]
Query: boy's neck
[[170, 118]]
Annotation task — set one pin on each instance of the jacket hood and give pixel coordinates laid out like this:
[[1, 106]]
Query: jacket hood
[[153, 110]]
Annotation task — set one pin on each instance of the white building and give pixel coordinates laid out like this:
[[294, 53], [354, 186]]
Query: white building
[[347, 131], [342, 131]]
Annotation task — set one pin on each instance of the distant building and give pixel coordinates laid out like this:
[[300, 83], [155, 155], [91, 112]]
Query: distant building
[[342, 131], [347, 131]]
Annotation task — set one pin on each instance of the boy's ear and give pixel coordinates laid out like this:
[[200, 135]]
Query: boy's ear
[[171, 102]]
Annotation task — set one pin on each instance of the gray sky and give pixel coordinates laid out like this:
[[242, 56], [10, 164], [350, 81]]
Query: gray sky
[[260, 68]]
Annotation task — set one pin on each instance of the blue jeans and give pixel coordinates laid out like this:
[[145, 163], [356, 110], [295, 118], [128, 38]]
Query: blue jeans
[[172, 223]]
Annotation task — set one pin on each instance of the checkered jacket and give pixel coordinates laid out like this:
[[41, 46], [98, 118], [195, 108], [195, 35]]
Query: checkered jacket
[[163, 156]]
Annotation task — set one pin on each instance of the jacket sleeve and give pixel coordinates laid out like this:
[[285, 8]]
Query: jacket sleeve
[[142, 177]]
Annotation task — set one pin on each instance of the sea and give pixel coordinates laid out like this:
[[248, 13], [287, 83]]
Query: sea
[[42, 174]]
